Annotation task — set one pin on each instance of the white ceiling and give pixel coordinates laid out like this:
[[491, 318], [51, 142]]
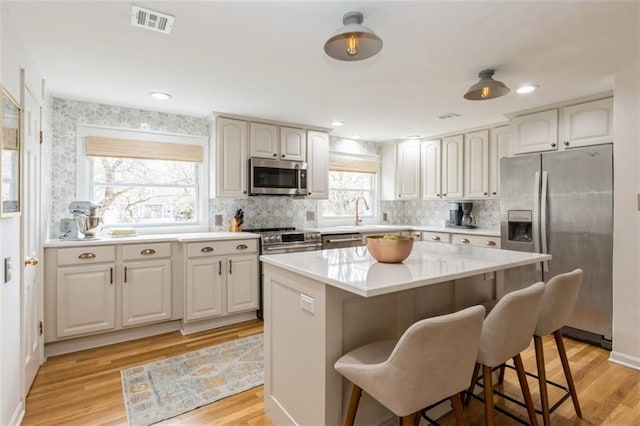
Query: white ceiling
[[266, 59]]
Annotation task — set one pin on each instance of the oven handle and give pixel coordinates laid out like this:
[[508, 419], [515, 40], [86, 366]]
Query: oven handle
[[298, 246]]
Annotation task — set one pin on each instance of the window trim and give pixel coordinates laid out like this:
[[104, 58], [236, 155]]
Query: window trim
[[83, 174]]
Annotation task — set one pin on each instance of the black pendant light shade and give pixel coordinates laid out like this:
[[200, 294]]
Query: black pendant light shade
[[486, 88], [353, 42]]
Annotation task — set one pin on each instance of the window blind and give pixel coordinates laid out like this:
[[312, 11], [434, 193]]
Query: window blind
[[10, 139], [344, 163], [146, 150]]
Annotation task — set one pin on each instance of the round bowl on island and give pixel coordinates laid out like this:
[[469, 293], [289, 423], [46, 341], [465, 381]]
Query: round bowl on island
[[389, 248]]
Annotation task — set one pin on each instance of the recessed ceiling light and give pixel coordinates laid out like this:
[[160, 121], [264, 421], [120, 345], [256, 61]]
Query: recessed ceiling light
[[355, 137], [160, 96], [527, 89], [414, 137], [337, 123]]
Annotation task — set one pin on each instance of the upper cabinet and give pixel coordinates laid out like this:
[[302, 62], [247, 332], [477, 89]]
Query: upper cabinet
[[229, 152], [476, 164], [401, 171], [568, 127], [430, 170], [274, 142], [452, 167], [318, 159], [498, 148]]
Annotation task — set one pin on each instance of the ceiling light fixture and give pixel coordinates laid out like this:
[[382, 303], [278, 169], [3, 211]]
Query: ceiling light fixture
[[161, 96], [413, 136], [527, 89], [486, 88], [337, 123], [353, 42]]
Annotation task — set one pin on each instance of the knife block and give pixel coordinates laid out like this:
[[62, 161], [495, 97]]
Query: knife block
[[234, 227]]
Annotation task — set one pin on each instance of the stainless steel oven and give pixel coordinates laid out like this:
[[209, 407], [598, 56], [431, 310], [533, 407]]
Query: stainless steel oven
[[284, 240], [277, 177]]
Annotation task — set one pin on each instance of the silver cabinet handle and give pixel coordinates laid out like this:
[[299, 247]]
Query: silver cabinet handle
[[241, 247], [206, 249], [464, 241], [435, 238], [489, 243], [87, 256], [147, 252]]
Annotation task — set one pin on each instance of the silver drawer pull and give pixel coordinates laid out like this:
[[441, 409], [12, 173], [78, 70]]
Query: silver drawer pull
[[489, 243], [148, 251], [241, 247], [435, 238], [206, 249], [464, 241], [87, 256]]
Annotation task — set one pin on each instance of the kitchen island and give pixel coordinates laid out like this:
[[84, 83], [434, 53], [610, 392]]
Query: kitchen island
[[320, 305]]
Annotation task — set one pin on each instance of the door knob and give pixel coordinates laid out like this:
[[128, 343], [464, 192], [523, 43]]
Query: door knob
[[31, 261]]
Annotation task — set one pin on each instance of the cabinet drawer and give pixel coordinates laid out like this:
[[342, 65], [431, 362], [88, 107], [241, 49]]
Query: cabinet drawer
[[86, 255], [146, 251], [476, 240], [436, 237], [215, 248]]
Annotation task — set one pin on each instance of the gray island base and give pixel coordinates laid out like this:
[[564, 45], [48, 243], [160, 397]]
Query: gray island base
[[320, 305]]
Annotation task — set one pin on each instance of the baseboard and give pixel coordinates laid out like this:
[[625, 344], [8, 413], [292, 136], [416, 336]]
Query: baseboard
[[198, 326], [18, 414], [625, 360]]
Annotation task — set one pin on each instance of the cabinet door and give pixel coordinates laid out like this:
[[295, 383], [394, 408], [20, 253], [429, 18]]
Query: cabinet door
[[534, 132], [293, 144], [588, 124], [146, 292], [498, 148], [85, 299], [476, 240], [436, 237], [452, 165], [264, 140], [205, 279], [476, 164], [231, 162], [408, 171], [430, 159], [242, 283], [318, 159]]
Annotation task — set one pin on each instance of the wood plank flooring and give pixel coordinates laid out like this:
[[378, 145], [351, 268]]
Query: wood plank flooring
[[84, 388]]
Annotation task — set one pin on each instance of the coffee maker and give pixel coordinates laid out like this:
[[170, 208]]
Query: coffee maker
[[455, 214], [468, 219]]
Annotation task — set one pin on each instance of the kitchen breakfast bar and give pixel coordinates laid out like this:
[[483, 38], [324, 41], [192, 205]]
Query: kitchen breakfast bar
[[322, 304]]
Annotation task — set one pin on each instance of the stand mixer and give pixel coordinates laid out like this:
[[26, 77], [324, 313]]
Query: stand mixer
[[86, 223]]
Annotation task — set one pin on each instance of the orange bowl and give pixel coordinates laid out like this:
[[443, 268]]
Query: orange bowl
[[389, 250]]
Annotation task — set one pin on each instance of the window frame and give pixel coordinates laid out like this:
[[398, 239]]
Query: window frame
[[84, 176]]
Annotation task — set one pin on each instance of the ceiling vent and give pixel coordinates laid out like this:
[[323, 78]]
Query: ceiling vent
[[448, 115], [151, 20]]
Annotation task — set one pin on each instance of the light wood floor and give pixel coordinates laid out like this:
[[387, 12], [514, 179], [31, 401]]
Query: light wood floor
[[84, 388]]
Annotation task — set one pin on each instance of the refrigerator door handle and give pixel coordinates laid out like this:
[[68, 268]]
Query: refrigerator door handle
[[536, 216], [543, 219]]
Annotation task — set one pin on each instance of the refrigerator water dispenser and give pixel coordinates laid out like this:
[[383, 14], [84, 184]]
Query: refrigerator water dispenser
[[520, 225]]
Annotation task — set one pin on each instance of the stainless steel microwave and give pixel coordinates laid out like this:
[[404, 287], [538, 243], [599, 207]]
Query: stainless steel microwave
[[277, 177]]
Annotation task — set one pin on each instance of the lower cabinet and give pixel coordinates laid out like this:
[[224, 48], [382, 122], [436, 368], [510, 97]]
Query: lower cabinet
[[146, 292], [221, 278], [476, 240]]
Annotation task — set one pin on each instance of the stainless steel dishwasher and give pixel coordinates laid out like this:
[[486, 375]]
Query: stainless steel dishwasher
[[331, 241]]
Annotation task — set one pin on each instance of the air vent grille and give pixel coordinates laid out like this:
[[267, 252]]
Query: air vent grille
[[151, 19]]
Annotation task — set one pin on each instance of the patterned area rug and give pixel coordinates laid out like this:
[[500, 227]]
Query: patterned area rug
[[166, 388]]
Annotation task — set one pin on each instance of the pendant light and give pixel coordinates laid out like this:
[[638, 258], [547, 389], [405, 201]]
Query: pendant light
[[486, 88], [353, 42]]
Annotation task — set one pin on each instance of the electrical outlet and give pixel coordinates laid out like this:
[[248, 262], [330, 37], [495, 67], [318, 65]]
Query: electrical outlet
[[218, 220], [306, 303], [384, 217], [8, 269], [311, 215]]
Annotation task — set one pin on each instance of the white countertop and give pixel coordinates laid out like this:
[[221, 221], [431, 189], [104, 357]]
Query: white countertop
[[182, 238], [354, 270], [364, 229]]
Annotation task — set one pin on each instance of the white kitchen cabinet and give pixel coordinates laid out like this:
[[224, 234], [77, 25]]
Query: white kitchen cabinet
[[572, 126], [452, 167], [476, 164], [318, 165], [401, 171], [293, 144], [264, 140], [475, 240], [430, 160], [436, 237], [498, 148], [221, 278], [229, 158]]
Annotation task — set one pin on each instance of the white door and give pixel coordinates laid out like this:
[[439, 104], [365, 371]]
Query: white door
[[408, 171], [231, 140], [32, 297], [263, 140], [146, 292], [452, 166], [318, 171], [242, 283], [476, 164], [430, 152], [293, 144]]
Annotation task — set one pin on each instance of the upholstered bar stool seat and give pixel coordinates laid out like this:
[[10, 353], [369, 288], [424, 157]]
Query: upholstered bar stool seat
[[506, 332], [431, 362]]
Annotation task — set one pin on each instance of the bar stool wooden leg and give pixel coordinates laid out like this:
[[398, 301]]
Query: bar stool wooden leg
[[501, 375], [353, 406], [567, 371], [542, 380], [522, 378], [408, 420], [489, 414], [474, 380], [458, 411]]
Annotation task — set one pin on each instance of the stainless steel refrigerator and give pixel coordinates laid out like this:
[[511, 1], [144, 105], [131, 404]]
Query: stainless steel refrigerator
[[562, 203]]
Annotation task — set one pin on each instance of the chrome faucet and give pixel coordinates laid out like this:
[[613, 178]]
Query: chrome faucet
[[366, 207]]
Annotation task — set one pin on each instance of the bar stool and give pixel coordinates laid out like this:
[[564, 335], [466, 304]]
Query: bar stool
[[506, 332], [558, 302], [431, 362]]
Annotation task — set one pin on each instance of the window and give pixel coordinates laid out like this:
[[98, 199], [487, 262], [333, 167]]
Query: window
[[143, 183], [351, 177]]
